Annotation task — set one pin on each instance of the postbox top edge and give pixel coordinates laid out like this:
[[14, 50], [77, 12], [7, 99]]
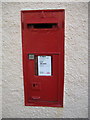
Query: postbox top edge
[[47, 10]]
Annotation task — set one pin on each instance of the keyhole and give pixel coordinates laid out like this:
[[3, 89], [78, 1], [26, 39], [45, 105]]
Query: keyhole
[[33, 85]]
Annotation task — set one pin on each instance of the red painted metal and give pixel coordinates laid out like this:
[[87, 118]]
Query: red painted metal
[[43, 41]]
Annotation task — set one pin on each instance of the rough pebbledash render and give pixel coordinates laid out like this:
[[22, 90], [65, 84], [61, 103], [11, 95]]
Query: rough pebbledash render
[[76, 57]]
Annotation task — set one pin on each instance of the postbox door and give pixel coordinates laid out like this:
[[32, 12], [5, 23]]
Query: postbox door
[[44, 86]]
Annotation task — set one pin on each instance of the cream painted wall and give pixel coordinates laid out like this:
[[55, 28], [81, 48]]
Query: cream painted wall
[[0, 61], [76, 57]]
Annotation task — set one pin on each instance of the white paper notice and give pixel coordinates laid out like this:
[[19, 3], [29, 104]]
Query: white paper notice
[[44, 65]]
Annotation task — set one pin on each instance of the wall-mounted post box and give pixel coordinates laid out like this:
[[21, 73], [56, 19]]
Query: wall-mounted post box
[[43, 57]]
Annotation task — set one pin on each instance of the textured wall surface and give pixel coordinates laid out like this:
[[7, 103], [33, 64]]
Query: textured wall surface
[[0, 62], [76, 56]]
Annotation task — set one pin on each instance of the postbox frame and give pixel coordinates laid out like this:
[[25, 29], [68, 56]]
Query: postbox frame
[[59, 103]]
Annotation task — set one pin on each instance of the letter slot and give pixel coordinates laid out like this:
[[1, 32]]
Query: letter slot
[[42, 25]]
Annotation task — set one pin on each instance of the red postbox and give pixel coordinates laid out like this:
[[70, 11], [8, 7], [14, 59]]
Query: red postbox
[[43, 57]]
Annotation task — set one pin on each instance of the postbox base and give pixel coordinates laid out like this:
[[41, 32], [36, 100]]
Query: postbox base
[[44, 104]]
